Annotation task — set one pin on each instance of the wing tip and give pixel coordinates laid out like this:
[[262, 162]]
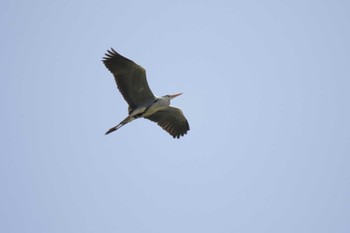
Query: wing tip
[[180, 132], [109, 54]]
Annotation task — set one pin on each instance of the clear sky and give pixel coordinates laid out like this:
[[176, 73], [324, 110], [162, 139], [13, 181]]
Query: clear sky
[[266, 92]]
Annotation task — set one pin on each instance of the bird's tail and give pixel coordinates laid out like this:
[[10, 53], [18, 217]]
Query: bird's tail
[[123, 122]]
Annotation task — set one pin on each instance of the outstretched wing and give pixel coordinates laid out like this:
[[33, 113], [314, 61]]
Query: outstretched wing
[[171, 120], [130, 78]]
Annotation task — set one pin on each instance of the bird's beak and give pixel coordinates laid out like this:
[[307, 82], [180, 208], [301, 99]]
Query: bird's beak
[[176, 95]]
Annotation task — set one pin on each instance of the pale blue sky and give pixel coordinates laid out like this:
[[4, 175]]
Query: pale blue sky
[[266, 92]]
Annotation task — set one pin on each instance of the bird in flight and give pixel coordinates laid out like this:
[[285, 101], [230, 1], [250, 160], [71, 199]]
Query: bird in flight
[[132, 84]]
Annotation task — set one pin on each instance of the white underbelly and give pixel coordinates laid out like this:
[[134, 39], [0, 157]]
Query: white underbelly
[[147, 111], [153, 110], [138, 111]]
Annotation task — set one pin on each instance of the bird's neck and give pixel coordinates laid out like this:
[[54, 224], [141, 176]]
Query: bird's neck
[[164, 101]]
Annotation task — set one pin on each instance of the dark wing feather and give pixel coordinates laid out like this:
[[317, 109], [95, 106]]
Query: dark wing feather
[[171, 120], [130, 78]]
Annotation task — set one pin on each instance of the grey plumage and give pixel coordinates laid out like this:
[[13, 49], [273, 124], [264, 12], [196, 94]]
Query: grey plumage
[[132, 84]]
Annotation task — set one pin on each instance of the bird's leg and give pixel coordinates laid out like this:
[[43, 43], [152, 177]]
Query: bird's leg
[[123, 122]]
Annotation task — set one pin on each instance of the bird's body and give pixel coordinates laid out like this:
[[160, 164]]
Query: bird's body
[[132, 83]]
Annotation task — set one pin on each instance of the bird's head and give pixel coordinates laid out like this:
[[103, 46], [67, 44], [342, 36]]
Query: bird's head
[[169, 97]]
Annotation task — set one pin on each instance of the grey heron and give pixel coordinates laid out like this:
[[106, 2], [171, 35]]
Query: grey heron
[[132, 84]]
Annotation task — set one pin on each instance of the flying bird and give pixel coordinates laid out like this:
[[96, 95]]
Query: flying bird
[[132, 84]]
